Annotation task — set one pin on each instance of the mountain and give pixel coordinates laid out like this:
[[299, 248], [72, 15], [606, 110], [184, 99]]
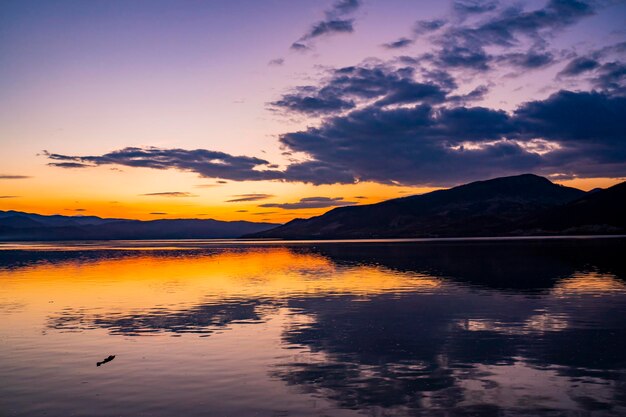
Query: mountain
[[15, 225], [482, 208], [598, 212]]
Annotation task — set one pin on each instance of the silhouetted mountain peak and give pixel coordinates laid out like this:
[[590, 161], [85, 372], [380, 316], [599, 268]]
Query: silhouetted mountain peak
[[476, 209]]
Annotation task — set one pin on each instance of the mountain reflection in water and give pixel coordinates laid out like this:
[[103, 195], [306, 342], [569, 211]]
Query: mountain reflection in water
[[429, 328]]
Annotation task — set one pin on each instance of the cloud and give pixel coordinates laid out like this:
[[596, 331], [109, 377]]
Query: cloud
[[335, 21], [9, 196], [311, 202], [277, 62], [241, 211], [574, 132], [503, 35], [603, 68], [158, 213], [611, 77], [346, 87], [68, 164], [13, 177], [528, 60], [427, 26], [419, 28], [209, 164], [469, 7], [400, 43], [175, 194], [578, 66], [249, 197]]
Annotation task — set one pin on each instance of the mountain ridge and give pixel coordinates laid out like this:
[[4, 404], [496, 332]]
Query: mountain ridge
[[15, 225], [495, 207]]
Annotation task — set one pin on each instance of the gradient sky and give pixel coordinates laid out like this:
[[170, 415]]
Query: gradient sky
[[270, 110]]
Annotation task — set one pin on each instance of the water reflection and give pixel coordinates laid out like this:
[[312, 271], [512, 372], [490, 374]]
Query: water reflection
[[505, 328]]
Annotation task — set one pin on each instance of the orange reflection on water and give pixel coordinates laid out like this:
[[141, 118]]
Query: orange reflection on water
[[588, 283], [174, 281]]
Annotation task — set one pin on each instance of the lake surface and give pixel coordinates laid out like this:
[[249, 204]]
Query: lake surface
[[219, 328]]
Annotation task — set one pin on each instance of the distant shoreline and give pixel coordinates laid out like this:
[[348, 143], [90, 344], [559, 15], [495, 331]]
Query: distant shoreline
[[174, 244]]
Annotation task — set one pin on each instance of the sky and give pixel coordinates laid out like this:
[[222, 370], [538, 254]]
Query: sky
[[268, 110]]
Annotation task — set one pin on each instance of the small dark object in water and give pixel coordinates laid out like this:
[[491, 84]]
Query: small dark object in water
[[108, 359]]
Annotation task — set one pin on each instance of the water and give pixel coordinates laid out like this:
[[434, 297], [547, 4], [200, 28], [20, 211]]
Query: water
[[219, 328]]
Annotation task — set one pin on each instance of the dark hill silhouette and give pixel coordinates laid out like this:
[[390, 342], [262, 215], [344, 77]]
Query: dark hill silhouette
[[599, 211], [16, 225], [481, 208]]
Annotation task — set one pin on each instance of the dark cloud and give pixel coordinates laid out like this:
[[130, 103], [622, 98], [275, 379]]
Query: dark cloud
[[311, 101], [458, 56], [300, 47], [334, 22], [578, 66], [249, 197], [241, 211], [400, 43], [9, 196], [567, 116], [68, 164], [158, 213], [579, 133], [330, 26], [13, 177], [426, 26], [505, 28], [476, 94], [468, 7], [419, 28], [175, 194], [206, 163], [342, 8], [312, 202], [430, 143], [264, 213], [528, 60], [612, 77], [464, 45], [346, 87]]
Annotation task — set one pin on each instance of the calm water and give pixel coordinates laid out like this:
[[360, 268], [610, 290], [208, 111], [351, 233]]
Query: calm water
[[457, 328]]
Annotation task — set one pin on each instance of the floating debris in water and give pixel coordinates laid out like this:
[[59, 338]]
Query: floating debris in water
[[107, 359]]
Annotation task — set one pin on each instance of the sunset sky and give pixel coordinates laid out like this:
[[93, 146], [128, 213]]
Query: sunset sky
[[267, 110]]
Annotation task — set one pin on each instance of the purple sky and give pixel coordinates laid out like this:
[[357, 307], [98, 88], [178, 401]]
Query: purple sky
[[285, 97]]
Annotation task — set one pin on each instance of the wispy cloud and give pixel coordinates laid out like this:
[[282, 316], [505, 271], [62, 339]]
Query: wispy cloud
[[249, 197], [311, 202], [13, 177], [210, 164], [335, 21], [175, 194], [277, 62]]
